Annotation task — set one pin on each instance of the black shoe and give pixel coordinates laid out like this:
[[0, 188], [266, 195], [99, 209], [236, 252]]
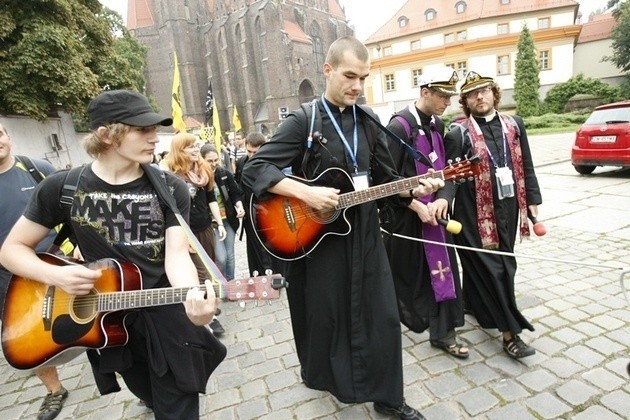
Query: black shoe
[[403, 412], [52, 404], [517, 349], [216, 327]]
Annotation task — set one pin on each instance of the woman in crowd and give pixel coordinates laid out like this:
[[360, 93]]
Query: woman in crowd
[[229, 198]]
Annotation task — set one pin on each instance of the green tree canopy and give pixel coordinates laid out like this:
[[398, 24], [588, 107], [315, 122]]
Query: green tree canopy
[[526, 80], [61, 54], [621, 35]]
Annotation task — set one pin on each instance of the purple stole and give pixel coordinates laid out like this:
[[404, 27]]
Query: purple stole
[[442, 280]]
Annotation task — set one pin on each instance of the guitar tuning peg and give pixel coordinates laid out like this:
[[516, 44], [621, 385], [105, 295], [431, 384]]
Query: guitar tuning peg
[[256, 304], [268, 303], [255, 273], [242, 304], [268, 272]]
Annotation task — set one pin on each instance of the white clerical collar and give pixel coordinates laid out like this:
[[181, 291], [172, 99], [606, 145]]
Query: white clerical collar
[[490, 117]]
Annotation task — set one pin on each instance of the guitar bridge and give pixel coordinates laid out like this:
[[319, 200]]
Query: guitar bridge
[[289, 216], [47, 307]]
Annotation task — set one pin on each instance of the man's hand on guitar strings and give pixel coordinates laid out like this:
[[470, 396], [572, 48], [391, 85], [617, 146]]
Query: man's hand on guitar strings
[[427, 186], [321, 198], [73, 279], [201, 305]]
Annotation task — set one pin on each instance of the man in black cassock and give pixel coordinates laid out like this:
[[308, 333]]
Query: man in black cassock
[[341, 296], [493, 208], [426, 275]]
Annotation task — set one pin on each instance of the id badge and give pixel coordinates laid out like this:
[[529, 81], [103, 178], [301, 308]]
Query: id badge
[[360, 180], [505, 182], [433, 157]]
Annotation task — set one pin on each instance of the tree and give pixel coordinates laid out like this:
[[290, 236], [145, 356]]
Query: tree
[[527, 82], [61, 54], [125, 69], [620, 35], [559, 95]]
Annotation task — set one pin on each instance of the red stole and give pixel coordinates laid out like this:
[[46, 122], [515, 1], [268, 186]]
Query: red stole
[[486, 222]]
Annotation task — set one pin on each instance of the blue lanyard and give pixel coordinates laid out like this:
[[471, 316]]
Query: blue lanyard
[[353, 154]]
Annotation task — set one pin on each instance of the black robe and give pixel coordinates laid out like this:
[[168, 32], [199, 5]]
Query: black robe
[[488, 279], [417, 307], [341, 296]]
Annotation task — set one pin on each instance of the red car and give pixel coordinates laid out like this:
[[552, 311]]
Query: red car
[[603, 139]]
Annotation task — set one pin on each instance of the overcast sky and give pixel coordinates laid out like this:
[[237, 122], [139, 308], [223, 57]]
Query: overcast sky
[[367, 16]]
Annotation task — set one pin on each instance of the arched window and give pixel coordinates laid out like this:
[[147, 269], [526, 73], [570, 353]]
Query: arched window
[[241, 45], [261, 43], [430, 14], [318, 51], [460, 7], [402, 21]]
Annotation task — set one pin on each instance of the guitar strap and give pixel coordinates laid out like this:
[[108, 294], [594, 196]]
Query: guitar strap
[[158, 179], [415, 154]]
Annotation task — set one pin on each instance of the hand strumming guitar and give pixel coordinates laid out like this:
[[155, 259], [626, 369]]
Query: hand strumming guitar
[[318, 198]]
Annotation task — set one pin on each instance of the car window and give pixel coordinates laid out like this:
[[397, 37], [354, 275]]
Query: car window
[[614, 115]]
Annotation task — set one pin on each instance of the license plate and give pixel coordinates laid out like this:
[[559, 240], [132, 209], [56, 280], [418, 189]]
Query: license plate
[[603, 139]]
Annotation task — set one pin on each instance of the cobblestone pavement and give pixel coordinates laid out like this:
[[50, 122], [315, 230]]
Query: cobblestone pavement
[[568, 285]]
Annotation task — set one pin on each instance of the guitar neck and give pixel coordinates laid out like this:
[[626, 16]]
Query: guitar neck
[[384, 190], [116, 301]]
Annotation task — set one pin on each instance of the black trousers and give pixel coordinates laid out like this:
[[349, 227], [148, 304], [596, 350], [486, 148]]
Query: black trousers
[[161, 391]]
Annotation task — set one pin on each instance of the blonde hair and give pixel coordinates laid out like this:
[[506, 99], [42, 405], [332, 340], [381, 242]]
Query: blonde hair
[[179, 162], [93, 144]]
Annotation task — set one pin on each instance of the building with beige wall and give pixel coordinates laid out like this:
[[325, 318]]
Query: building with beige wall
[[472, 35]]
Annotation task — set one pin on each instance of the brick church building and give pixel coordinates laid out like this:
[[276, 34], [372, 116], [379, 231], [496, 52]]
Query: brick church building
[[263, 57]]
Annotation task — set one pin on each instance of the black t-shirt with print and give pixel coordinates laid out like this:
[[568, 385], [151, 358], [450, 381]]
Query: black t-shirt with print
[[125, 221]]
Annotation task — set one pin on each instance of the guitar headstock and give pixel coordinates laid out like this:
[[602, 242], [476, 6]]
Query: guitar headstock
[[462, 170], [255, 288]]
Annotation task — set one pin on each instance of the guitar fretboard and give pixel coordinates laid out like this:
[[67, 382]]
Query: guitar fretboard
[[385, 190], [117, 301]]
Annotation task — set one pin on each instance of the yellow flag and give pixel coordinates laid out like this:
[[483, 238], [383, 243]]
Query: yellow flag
[[176, 102], [217, 126], [236, 121]]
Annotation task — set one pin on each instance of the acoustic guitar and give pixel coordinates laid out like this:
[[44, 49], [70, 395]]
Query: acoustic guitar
[[289, 229], [43, 325]]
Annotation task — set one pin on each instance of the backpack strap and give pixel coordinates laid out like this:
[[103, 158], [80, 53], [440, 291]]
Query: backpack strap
[[70, 183], [30, 167], [314, 120]]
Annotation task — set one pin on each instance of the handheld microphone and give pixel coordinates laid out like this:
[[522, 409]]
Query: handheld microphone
[[452, 226], [539, 227]]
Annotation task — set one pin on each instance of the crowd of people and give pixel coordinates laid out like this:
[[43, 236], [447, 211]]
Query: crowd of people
[[390, 262]]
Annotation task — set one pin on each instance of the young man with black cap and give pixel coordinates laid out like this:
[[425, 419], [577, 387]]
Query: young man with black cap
[[116, 213], [493, 208], [426, 275]]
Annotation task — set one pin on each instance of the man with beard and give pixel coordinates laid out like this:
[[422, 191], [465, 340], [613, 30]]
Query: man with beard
[[493, 208]]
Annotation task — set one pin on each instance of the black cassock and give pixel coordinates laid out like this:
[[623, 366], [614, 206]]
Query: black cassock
[[341, 296], [488, 279], [417, 307]]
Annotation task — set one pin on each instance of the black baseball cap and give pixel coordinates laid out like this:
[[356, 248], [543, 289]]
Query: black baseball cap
[[126, 107]]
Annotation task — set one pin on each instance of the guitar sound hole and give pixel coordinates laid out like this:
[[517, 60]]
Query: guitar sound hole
[[323, 217], [84, 307]]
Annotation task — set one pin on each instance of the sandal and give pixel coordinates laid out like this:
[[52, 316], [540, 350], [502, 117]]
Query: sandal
[[516, 348], [455, 349]]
